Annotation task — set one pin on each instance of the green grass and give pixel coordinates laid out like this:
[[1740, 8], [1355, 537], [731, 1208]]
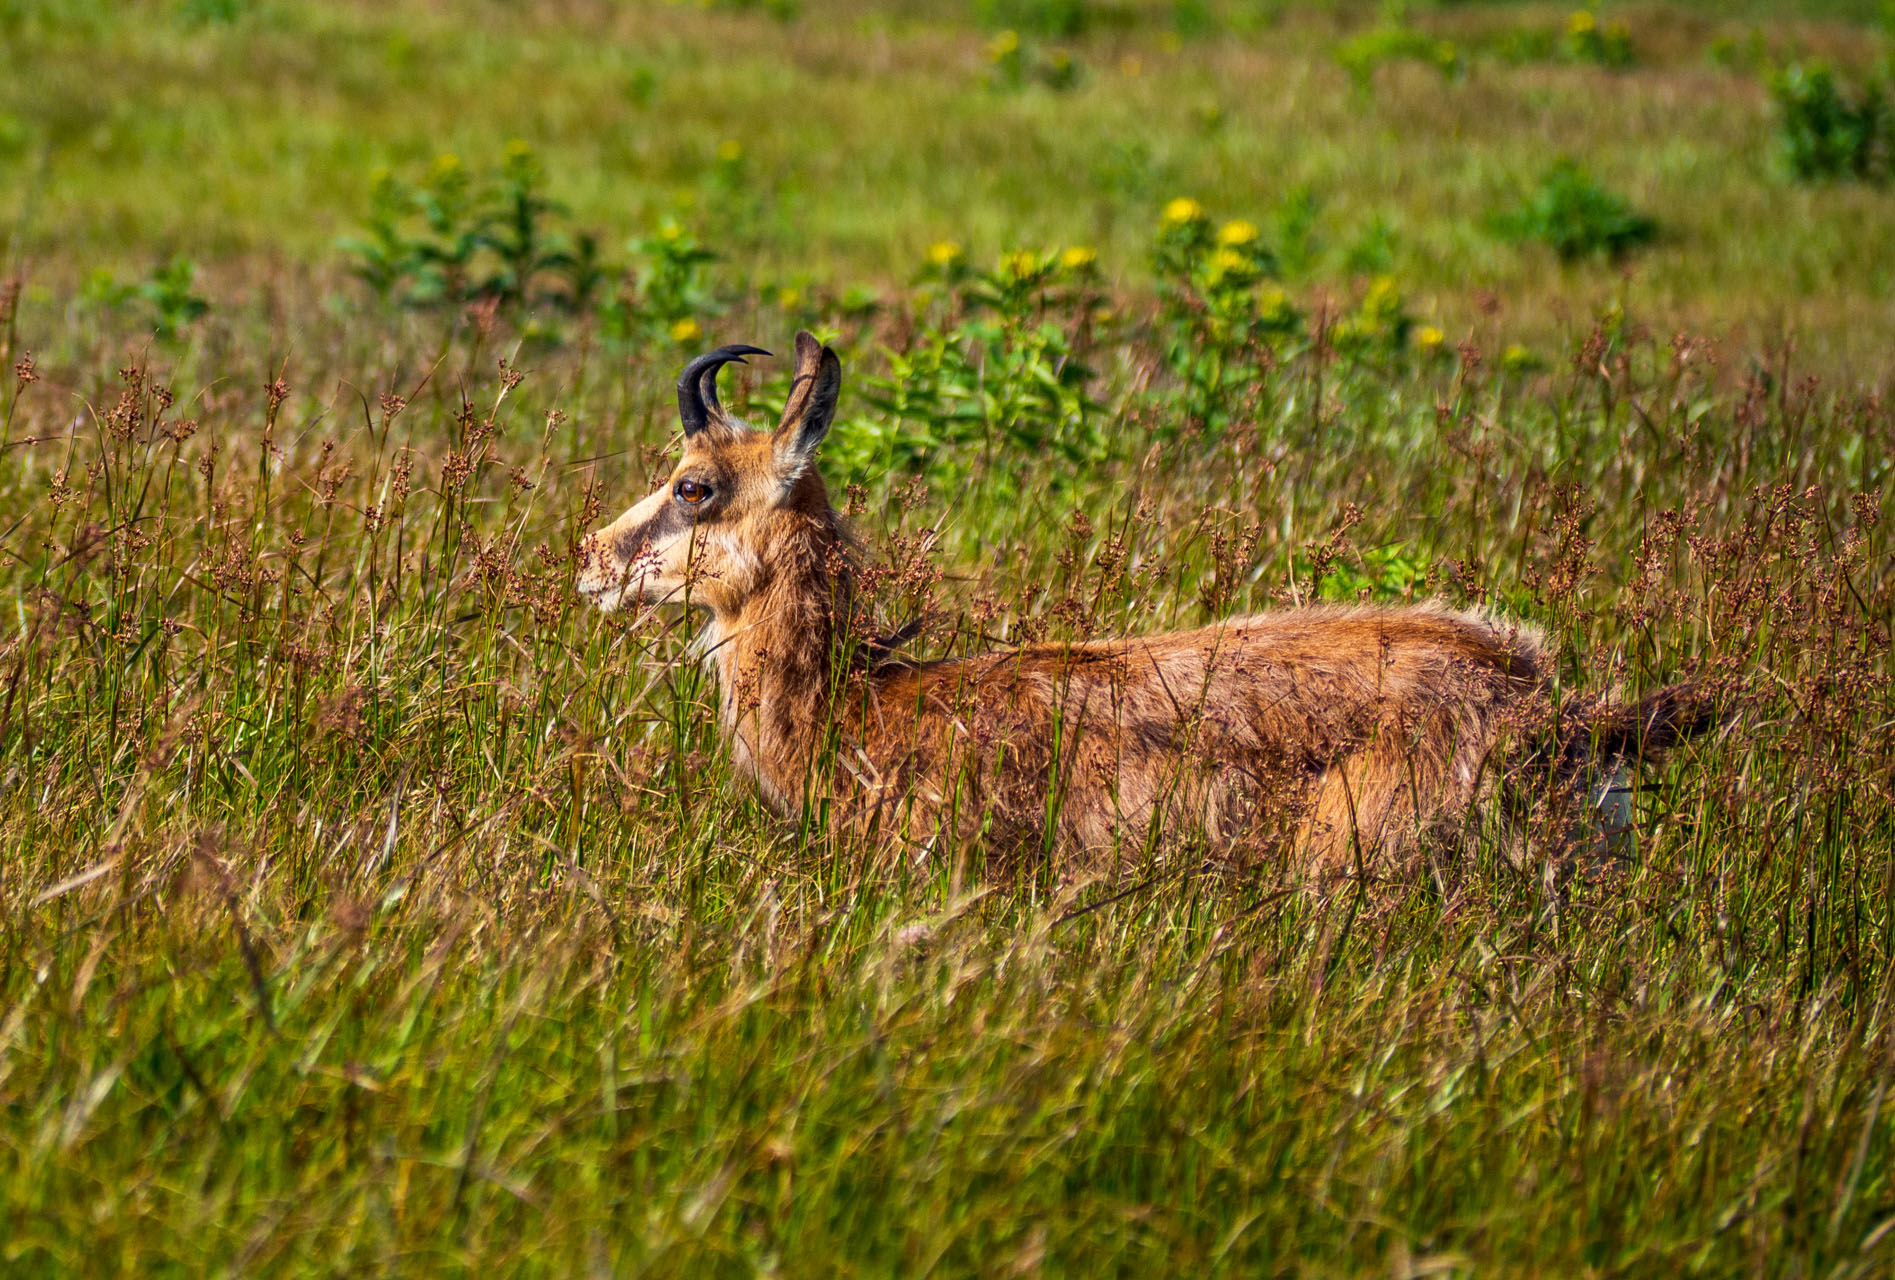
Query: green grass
[[875, 133], [366, 906]]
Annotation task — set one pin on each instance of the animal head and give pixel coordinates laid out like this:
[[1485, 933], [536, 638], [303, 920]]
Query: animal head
[[711, 532]]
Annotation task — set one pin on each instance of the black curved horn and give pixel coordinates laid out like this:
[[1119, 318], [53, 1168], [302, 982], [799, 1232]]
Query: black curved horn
[[700, 377]]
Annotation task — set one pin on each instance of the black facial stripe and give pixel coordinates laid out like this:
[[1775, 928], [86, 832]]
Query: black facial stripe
[[636, 542]]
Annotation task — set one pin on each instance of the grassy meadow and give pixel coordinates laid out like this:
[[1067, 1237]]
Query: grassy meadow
[[367, 906]]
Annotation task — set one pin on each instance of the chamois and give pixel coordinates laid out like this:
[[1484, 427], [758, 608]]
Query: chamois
[[1351, 734]]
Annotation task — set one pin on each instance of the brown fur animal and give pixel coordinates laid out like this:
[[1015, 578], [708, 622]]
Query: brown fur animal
[[1350, 733]]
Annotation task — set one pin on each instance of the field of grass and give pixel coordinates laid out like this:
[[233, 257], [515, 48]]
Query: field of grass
[[369, 907]]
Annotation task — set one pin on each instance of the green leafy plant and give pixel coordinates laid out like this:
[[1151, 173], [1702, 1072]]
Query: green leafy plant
[[1373, 252], [1362, 55], [211, 12], [1193, 19], [453, 238], [1061, 19], [169, 292], [781, 10], [1298, 226], [1827, 129], [1014, 63], [1586, 40], [1583, 39], [1571, 213], [995, 372], [1380, 322], [1213, 317], [517, 236], [669, 289]]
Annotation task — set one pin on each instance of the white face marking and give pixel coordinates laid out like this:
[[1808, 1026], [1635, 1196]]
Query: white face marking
[[607, 577]]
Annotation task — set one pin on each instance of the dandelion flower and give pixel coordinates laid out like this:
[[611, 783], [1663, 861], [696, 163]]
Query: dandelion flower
[[1183, 211], [1383, 295], [1517, 359], [1021, 264], [686, 330], [1237, 232]]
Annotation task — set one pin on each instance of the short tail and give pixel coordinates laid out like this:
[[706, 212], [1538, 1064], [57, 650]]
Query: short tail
[[1602, 746], [1635, 731]]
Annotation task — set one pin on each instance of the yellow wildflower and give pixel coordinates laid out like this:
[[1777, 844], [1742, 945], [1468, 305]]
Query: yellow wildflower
[[1275, 310], [1429, 338], [789, 298], [1078, 258], [1021, 264], [1003, 46], [1581, 23], [945, 253], [1384, 296], [1183, 211], [686, 330], [1517, 359], [730, 151], [1237, 232], [670, 231]]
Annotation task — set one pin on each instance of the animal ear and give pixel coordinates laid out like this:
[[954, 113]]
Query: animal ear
[[811, 408]]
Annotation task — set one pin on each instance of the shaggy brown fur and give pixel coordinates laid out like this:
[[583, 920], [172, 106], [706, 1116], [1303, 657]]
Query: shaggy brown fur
[[1350, 733]]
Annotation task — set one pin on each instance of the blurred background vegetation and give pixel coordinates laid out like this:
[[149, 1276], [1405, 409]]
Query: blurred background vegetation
[[830, 142]]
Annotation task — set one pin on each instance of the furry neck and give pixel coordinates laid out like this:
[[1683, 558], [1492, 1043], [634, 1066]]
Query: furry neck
[[778, 655]]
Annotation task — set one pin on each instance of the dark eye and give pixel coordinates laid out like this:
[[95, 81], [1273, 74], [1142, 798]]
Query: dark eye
[[692, 492]]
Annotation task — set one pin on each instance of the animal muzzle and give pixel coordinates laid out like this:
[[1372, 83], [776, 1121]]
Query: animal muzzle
[[602, 580]]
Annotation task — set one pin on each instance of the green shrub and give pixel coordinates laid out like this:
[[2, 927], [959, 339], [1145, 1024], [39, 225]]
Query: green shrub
[[1577, 218], [1583, 40], [669, 288], [1602, 46], [211, 12], [1380, 322], [1015, 63], [781, 10], [1060, 18], [454, 238], [169, 291], [1363, 54], [1214, 321], [1828, 130], [1193, 18], [995, 372]]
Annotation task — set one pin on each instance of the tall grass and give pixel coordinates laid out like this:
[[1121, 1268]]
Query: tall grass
[[368, 906]]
